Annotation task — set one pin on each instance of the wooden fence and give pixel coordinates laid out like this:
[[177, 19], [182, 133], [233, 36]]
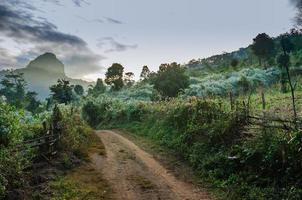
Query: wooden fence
[[46, 143]]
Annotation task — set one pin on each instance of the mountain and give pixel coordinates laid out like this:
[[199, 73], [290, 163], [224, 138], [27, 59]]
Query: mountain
[[43, 72]]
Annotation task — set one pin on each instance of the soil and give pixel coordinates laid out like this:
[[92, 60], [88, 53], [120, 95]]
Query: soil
[[134, 174]]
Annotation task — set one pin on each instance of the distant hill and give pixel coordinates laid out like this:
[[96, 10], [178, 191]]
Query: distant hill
[[43, 72], [244, 56]]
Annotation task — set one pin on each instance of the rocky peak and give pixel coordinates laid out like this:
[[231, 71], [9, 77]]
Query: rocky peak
[[49, 63]]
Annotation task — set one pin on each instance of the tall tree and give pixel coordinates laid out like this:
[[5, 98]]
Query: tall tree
[[79, 90], [170, 79], [114, 76], [13, 87], [98, 89], [129, 79], [32, 102], [284, 61], [145, 73], [62, 91], [263, 47], [234, 63]]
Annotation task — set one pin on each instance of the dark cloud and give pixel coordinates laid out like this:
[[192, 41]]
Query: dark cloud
[[98, 20], [109, 44], [90, 20], [79, 3], [113, 21], [298, 17], [21, 26]]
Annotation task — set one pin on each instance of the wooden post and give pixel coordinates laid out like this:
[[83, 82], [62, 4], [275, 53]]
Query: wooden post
[[231, 100], [263, 100]]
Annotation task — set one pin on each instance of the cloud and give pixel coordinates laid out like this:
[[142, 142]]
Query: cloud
[[109, 45], [90, 20], [113, 21], [98, 20], [298, 17], [7, 60], [23, 27], [80, 2], [36, 36], [77, 3]]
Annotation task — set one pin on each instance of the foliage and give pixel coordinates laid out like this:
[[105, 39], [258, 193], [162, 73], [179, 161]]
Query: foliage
[[212, 138], [145, 73], [235, 82], [170, 80], [75, 132], [15, 92], [98, 89], [79, 90], [129, 79], [13, 124], [263, 46], [234, 63], [114, 76], [62, 91]]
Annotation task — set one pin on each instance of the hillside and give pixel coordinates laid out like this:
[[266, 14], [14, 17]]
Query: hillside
[[44, 71], [245, 57]]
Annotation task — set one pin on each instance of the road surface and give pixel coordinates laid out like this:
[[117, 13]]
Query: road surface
[[134, 174]]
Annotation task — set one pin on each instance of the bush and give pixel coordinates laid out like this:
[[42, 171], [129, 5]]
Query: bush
[[12, 161], [211, 137]]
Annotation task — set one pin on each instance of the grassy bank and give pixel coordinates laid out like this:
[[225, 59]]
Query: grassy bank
[[215, 141]]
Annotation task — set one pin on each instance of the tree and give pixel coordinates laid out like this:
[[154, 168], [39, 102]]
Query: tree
[[284, 62], [32, 102], [145, 73], [170, 80], [98, 89], [114, 76], [193, 63], [14, 89], [234, 63], [62, 91], [129, 79], [79, 90], [263, 47]]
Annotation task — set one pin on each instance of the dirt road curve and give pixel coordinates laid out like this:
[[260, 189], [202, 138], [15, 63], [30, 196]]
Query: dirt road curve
[[135, 175]]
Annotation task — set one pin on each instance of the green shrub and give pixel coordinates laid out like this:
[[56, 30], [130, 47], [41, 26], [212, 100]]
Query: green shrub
[[12, 160], [212, 138]]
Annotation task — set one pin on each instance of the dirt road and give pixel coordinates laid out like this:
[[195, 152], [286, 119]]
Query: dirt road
[[135, 175]]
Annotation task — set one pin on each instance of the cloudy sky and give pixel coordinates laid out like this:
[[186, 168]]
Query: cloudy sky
[[89, 35]]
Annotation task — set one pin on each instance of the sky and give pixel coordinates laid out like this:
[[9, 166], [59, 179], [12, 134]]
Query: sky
[[89, 35]]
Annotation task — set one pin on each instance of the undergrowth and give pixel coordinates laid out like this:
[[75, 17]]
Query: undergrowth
[[213, 140]]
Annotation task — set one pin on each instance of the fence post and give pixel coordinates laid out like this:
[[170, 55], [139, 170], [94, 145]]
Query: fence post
[[231, 100], [263, 100]]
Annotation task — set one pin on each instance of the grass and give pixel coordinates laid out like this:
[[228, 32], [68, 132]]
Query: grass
[[84, 181], [142, 182]]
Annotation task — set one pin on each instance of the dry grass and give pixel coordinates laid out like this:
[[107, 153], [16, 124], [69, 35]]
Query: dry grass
[[142, 182], [83, 182]]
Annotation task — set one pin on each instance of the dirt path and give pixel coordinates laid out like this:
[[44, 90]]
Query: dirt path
[[135, 175]]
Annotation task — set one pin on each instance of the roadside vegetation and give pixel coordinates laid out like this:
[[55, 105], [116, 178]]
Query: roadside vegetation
[[235, 118], [210, 119]]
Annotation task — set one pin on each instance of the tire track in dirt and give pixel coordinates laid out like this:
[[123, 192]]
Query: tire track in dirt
[[135, 175]]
